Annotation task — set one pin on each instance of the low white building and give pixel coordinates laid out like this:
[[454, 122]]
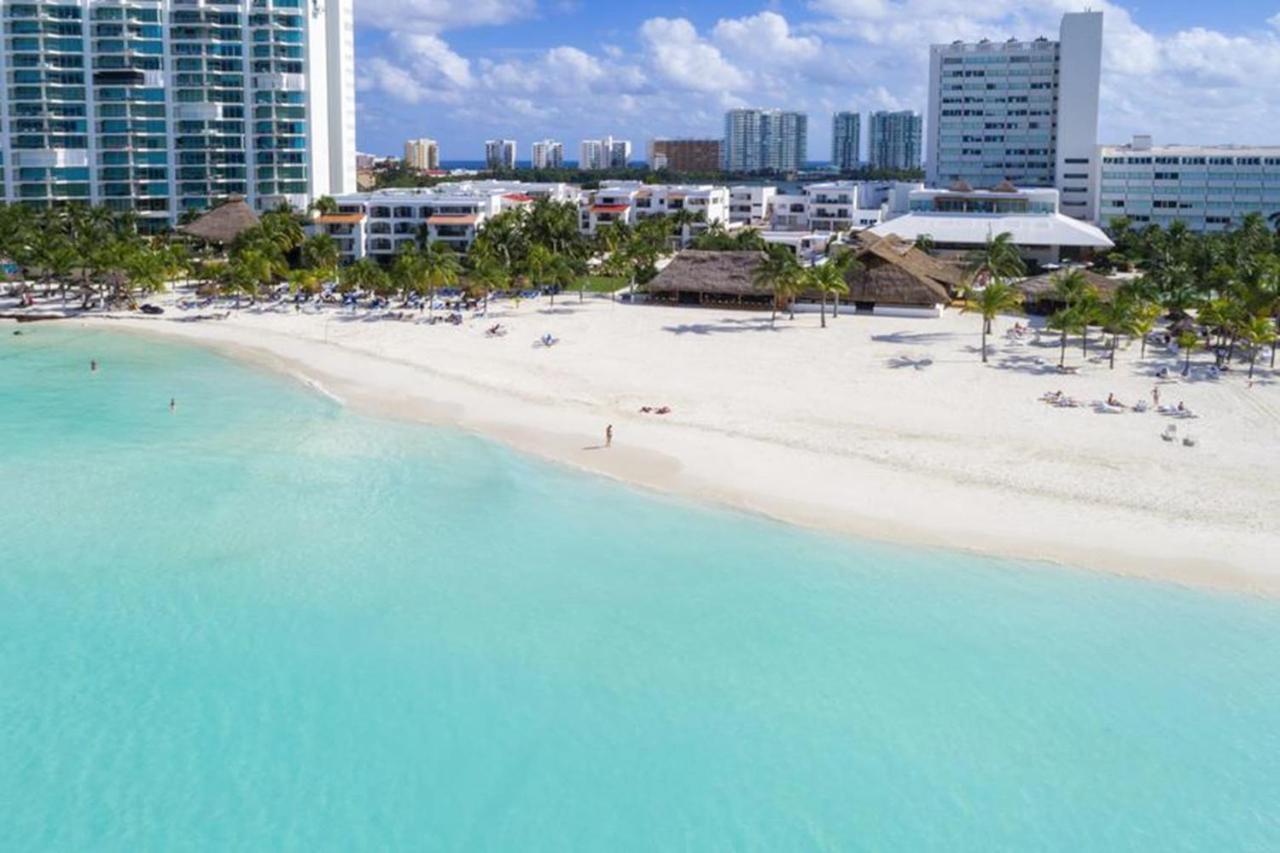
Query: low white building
[[751, 204], [809, 246], [1209, 188], [630, 202], [961, 219], [831, 206], [377, 224]]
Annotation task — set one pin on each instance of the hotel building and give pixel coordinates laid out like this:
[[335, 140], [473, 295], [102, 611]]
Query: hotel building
[[163, 106], [630, 202], [846, 141], [765, 141], [548, 154], [422, 154], [1019, 111], [895, 140], [1210, 188], [684, 155], [376, 224]]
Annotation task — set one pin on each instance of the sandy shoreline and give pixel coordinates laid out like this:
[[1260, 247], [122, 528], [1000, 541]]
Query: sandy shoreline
[[840, 429]]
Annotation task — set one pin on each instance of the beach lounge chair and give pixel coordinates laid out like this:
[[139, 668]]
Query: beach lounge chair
[[1190, 441], [1142, 406], [1170, 433]]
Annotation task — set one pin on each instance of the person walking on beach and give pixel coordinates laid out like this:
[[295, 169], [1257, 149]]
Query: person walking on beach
[[1155, 396], [608, 436]]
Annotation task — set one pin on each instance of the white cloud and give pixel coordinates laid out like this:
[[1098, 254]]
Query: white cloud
[[438, 15], [765, 38], [682, 57]]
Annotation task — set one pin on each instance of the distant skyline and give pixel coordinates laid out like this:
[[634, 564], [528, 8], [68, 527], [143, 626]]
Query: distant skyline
[[462, 73]]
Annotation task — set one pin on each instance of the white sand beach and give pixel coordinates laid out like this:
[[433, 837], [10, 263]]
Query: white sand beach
[[880, 427]]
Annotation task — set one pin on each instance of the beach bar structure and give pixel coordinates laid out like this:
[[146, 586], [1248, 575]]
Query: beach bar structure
[[696, 277], [892, 277], [1039, 297]]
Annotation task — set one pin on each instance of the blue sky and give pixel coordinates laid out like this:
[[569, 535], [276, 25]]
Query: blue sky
[[461, 71]]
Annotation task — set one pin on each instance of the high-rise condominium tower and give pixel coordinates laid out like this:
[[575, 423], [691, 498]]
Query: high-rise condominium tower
[[1025, 112], [846, 141], [607, 153], [895, 140], [548, 154], [500, 154], [765, 141], [422, 154], [162, 106]]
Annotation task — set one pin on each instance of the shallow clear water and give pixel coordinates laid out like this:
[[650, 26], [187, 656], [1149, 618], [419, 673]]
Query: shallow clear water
[[262, 621]]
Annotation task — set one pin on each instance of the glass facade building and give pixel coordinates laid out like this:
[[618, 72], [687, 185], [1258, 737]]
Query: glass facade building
[[163, 106], [895, 140]]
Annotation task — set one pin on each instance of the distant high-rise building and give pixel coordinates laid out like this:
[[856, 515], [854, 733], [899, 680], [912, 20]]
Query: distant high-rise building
[[422, 154], [548, 154], [685, 155], [1025, 112], [846, 141], [161, 107], [607, 153], [500, 154], [895, 140], [765, 141]]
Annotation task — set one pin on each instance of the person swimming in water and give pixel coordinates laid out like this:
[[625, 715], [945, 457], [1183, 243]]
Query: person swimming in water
[[93, 365], [173, 404]]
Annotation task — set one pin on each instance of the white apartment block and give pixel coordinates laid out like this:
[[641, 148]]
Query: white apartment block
[[377, 224], [1210, 188], [630, 202], [500, 154], [162, 106], [422, 154], [751, 204], [548, 154], [826, 207], [1019, 111]]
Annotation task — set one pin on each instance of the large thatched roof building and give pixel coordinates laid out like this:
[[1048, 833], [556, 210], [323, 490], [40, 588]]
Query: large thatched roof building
[[892, 276], [1038, 296], [223, 224], [696, 277]]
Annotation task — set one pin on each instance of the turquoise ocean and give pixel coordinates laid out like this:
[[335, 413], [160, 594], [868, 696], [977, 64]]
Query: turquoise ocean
[[265, 622]]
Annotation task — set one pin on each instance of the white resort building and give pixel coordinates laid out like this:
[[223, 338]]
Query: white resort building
[[376, 224], [630, 202], [1210, 188], [826, 207], [752, 204], [961, 219]]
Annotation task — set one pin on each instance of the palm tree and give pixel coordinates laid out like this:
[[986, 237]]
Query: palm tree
[[536, 263], [991, 301], [1118, 317], [325, 205], [320, 253], [997, 260], [1258, 332], [440, 264], [778, 274], [360, 276], [925, 243], [1188, 340], [828, 280], [491, 275], [1145, 315], [1065, 320], [409, 271], [849, 265]]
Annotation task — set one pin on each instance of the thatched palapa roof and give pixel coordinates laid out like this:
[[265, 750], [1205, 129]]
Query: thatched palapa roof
[[1040, 288], [223, 224], [892, 271], [713, 273]]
